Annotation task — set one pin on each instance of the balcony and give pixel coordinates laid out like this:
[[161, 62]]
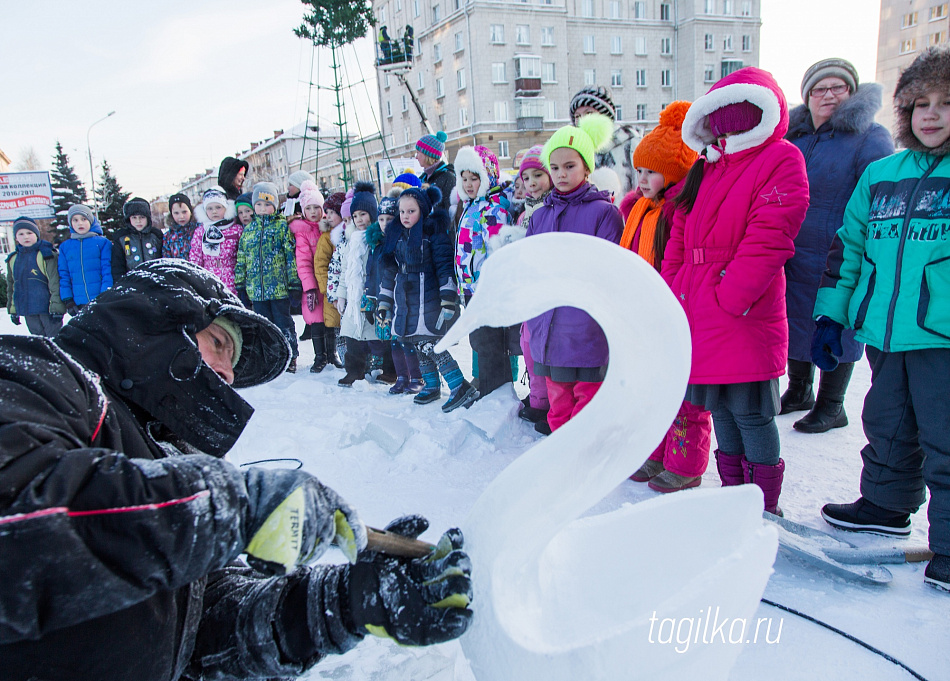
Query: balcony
[[529, 113], [529, 123], [527, 87]]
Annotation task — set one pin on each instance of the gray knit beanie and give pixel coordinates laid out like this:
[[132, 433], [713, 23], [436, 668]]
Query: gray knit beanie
[[266, 192], [827, 68], [79, 209]]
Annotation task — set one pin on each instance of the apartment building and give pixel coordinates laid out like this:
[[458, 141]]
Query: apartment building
[[502, 73], [906, 28]]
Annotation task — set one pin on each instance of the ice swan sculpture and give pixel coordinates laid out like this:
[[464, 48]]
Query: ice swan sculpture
[[630, 594]]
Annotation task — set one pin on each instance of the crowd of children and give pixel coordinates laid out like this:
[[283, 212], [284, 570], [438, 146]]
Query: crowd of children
[[719, 197]]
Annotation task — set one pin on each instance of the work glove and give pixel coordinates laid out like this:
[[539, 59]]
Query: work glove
[[418, 601], [292, 518], [448, 310], [71, 307], [15, 318], [312, 299], [826, 344]]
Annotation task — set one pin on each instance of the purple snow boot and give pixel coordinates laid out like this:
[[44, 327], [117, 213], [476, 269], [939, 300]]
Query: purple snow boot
[[769, 479], [730, 468]]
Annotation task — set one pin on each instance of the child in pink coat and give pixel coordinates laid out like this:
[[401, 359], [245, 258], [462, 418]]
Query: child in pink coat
[[215, 241], [306, 231], [740, 208]]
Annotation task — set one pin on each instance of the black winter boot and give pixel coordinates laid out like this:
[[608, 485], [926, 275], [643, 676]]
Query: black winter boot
[[863, 516], [330, 342], [938, 572], [319, 348], [799, 395], [828, 411], [307, 332]]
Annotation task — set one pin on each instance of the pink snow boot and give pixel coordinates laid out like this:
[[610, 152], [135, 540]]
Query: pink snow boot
[[769, 478], [730, 468]]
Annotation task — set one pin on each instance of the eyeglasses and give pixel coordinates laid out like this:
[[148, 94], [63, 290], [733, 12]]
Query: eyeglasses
[[836, 90]]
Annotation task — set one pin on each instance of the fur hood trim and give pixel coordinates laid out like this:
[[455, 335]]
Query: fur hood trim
[[336, 234], [855, 115], [930, 71], [748, 84], [171, 224], [468, 159], [230, 213]]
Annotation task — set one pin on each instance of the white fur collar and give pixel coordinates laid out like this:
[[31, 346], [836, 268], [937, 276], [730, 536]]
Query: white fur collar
[[698, 136], [336, 234], [201, 216]]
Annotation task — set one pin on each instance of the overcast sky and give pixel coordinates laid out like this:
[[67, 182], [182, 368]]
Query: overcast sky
[[192, 81]]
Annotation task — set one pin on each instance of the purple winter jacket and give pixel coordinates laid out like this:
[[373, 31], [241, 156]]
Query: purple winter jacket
[[567, 336]]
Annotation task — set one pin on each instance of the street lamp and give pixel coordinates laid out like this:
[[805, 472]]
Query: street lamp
[[92, 175]]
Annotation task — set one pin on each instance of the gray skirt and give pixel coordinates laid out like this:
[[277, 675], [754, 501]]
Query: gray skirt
[[756, 397]]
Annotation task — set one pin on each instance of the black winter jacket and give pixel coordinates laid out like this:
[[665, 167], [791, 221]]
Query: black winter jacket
[[117, 534], [130, 248], [444, 178]]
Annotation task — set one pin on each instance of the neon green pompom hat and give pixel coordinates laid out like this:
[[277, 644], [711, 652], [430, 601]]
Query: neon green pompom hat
[[592, 134]]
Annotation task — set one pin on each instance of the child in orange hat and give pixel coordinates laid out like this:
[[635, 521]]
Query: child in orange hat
[[662, 160]]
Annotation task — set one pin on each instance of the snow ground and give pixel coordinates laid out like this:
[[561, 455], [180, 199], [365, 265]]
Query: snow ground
[[389, 457]]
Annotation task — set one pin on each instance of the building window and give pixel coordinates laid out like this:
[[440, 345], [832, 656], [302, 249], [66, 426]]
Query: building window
[[548, 73], [640, 46], [406, 136], [436, 13], [439, 88], [641, 112], [727, 7], [727, 44], [664, 12], [708, 42], [747, 43], [547, 2], [389, 109], [382, 14], [728, 66], [908, 46], [639, 9], [547, 36], [459, 45], [497, 34], [436, 53], [618, 111], [909, 20], [709, 7], [415, 8], [441, 121], [463, 117], [590, 77], [523, 34], [527, 66], [616, 45], [398, 5], [458, 4], [589, 44], [501, 111], [746, 10], [498, 72], [616, 78], [641, 77], [937, 38], [405, 103], [587, 8], [460, 79], [938, 12], [386, 81], [422, 81], [550, 109], [666, 78], [614, 9], [709, 73], [503, 149], [666, 46]]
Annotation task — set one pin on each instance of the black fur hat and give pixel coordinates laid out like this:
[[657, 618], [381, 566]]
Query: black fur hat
[[930, 71], [137, 206]]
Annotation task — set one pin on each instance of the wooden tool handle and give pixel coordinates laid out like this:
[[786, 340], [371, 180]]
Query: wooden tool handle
[[918, 555], [396, 545]]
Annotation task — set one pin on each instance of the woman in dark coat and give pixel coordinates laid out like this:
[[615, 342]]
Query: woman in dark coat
[[231, 174], [836, 133]]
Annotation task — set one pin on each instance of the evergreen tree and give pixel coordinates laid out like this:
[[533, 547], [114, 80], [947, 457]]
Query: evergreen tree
[[111, 198], [68, 189], [336, 22]]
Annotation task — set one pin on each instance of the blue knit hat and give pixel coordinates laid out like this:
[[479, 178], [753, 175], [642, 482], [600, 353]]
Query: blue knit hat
[[406, 180], [364, 198], [426, 198], [26, 223], [432, 146]]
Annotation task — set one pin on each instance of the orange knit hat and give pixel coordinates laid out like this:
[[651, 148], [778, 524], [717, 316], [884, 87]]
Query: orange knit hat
[[663, 150]]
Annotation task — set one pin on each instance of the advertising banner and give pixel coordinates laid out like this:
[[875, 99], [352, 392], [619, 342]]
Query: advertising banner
[[25, 194]]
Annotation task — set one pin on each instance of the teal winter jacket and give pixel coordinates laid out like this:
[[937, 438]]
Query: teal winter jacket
[[267, 259], [888, 271]]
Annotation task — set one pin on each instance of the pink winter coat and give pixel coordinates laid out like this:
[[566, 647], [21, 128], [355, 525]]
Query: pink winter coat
[[222, 260], [306, 235], [725, 259]]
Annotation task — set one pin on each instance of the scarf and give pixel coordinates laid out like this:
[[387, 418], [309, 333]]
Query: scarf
[[642, 219], [212, 238]]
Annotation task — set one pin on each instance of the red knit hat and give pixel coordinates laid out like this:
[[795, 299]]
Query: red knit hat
[[663, 150], [334, 202], [736, 117]]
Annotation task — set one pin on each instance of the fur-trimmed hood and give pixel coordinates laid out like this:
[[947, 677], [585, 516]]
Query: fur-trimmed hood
[[336, 234], [230, 213], [748, 84], [930, 71], [469, 159], [855, 115], [171, 224]]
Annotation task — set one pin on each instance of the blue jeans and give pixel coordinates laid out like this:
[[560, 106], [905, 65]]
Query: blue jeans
[[278, 311]]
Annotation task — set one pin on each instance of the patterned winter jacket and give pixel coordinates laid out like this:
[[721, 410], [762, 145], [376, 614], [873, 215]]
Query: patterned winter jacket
[[221, 260], [267, 259], [130, 248], [481, 220], [888, 273], [85, 265], [335, 267], [33, 281], [176, 242]]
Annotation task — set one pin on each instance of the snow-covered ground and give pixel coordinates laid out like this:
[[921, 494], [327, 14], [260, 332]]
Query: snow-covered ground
[[389, 457]]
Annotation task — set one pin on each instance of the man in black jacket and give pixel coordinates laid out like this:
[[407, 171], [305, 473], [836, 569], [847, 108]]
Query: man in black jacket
[[121, 525], [436, 172]]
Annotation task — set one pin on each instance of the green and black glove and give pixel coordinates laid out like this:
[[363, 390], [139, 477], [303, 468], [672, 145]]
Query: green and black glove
[[292, 519], [416, 602]]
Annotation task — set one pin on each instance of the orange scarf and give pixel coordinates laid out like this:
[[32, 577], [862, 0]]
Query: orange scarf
[[643, 217]]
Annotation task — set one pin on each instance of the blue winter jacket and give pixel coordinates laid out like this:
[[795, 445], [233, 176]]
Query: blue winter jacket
[[835, 157], [33, 281], [85, 265]]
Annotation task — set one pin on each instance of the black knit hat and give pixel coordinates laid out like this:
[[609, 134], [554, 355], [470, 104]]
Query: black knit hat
[[596, 97], [179, 198], [24, 222]]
